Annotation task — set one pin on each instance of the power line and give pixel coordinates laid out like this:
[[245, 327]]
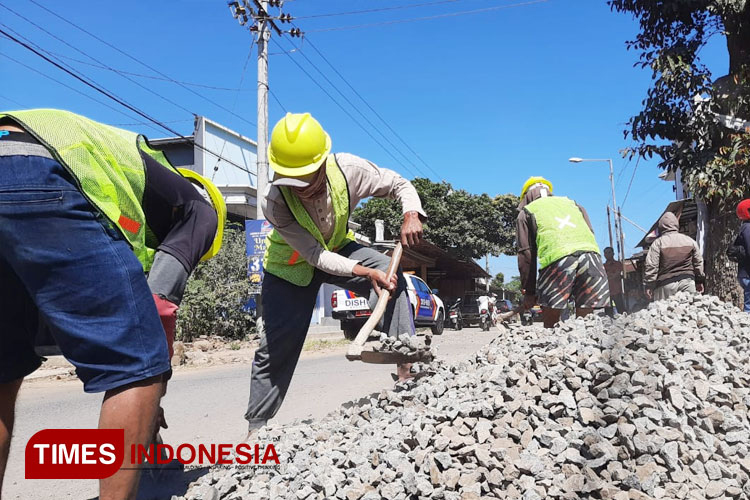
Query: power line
[[426, 18], [13, 100], [373, 109], [73, 89], [234, 105], [315, 81], [382, 9], [165, 99], [369, 122], [631, 182], [141, 62], [276, 99], [118, 100], [141, 75]]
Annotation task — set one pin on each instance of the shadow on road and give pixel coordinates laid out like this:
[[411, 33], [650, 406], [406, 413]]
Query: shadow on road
[[172, 479]]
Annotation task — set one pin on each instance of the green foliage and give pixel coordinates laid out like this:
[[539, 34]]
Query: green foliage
[[680, 119], [498, 281], [216, 293], [467, 225], [514, 284]]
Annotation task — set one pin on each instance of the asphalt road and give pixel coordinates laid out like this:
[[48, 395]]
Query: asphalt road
[[203, 405]]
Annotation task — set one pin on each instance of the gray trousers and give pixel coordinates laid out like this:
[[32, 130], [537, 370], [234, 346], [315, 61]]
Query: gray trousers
[[287, 310], [665, 291]]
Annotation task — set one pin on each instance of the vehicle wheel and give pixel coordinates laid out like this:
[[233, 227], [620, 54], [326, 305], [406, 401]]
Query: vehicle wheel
[[350, 331], [459, 325], [439, 326]]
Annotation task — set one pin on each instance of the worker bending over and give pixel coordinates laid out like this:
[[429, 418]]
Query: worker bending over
[[86, 210], [309, 204], [557, 231]]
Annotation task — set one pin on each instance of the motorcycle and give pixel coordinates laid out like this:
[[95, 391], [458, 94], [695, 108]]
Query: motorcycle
[[484, 320], [455, 318]]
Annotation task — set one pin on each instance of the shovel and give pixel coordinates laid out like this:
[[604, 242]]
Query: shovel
[[356, 350]]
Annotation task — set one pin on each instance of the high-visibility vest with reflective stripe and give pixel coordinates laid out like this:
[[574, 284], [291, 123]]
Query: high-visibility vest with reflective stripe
[[106, 163], [561, 229], [285, 262]]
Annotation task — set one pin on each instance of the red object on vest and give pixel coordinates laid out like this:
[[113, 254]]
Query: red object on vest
[[168, 315]]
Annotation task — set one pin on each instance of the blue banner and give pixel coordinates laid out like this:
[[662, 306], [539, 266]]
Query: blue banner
[[255, 238]]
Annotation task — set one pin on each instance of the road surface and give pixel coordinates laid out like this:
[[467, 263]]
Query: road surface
[[204, 405]]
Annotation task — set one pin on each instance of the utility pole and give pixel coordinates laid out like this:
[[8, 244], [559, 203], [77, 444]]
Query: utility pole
[[263, 22], [487, 268], [262, 162]]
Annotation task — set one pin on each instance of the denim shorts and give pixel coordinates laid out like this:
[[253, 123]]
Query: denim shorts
[[64, 265]]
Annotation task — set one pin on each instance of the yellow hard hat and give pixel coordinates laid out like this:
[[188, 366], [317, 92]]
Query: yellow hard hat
[[532, 181], [299, 145], [217, 201]]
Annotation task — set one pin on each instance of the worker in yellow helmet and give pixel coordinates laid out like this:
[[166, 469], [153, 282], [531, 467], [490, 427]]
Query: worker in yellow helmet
[[309, 204], [557, 232], [86, 210]]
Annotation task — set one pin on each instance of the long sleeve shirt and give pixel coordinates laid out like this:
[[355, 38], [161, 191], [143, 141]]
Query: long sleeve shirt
[[364, 179], [673, 256]]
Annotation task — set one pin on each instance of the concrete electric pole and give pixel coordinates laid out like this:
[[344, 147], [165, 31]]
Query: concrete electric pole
[[262, 162], [263, 23]]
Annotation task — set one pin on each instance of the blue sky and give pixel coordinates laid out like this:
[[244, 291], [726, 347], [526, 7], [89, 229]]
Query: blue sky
[[486, 100]]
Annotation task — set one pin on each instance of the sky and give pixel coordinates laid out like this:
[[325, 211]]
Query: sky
[[481, 100]]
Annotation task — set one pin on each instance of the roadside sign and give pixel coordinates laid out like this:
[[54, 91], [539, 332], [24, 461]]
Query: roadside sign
[[255, 238]]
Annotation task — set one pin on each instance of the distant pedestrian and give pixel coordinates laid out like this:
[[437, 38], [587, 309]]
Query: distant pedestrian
[[740, 250], [674, 262], [557, 231], [614, 277]]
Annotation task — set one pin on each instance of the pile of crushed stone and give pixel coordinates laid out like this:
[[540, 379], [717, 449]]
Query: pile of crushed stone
[[648, 405]]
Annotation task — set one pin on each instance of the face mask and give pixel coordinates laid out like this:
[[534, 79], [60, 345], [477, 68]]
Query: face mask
[[316, 187]]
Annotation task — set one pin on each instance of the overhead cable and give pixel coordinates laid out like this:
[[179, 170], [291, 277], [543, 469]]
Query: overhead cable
[[373, 109], [315, 81], [425, 18], [177, 82], [369, 122], [118, 100]]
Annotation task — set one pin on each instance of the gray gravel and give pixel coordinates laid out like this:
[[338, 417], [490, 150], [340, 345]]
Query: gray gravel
[[649, 405]]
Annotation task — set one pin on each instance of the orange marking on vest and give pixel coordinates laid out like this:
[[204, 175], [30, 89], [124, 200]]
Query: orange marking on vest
[[129, 224], [293, 258]]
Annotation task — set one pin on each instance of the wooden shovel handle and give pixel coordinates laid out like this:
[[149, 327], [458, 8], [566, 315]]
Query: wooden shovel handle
[[355, 349]]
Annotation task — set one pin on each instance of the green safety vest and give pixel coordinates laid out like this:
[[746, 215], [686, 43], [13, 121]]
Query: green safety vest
[[106, 163], [561, 229], [285, 262]]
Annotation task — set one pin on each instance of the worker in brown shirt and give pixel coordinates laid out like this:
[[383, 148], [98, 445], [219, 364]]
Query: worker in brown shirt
[[308, 204]]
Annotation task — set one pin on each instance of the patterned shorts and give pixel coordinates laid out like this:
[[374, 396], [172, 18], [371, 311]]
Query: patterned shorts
[[580, 276]]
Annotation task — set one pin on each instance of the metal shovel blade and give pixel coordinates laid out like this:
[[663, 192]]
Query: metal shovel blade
[[390, 358]]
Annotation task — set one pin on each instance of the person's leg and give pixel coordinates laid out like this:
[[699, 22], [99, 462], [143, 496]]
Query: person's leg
[[745, 283], [619, 301], [554, 289], [287, 310], [550, 316], [92, 293], [134, 408], [8, 393], [590, 287], [582, 312]]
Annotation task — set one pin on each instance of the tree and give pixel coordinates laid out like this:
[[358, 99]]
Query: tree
[[687, 116], [216, 294], [467, 225], [498, 281], [514, 284]]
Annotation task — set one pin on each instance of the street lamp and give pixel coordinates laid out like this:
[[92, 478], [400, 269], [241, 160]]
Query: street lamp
[[618, 216]]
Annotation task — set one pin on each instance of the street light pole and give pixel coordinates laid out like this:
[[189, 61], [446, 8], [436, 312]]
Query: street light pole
[[618, 215]]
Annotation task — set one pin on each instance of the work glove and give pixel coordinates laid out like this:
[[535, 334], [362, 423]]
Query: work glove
[[168, 315]]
